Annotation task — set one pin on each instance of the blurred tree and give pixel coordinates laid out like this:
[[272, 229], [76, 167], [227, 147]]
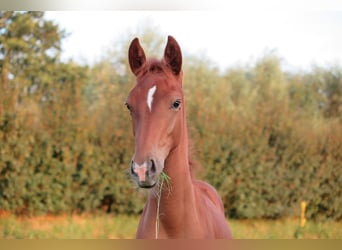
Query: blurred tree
[[268, 75], [29, 48], [318, 92], [331, 87], [239, 82]]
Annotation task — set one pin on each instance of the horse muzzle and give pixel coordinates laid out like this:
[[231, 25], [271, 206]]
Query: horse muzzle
[[145, 174]]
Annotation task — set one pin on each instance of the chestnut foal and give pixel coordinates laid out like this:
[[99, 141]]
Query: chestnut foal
[[192, 209]]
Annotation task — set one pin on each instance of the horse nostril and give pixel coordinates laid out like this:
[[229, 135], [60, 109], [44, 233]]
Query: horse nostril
[[132, 168], [153, 167]]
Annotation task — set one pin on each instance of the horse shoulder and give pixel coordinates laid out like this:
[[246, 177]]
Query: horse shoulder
[[209, 192], [215, 220]]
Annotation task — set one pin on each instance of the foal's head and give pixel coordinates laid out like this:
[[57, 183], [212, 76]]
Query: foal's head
[[155, 105]]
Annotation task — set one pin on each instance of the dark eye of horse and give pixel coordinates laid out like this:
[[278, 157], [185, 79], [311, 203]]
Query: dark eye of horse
[[176, 104], [127, 106]]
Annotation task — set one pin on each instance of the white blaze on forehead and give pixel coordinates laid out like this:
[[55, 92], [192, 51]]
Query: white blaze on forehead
[[150, 94]]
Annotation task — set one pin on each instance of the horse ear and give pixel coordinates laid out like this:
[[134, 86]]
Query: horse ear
[[173, 55], [136, 56]]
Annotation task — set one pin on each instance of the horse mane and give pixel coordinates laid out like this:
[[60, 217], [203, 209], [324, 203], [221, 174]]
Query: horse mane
[[195, 166], [154, 66]]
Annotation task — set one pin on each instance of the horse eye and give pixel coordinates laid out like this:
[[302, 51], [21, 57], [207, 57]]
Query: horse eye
[[176, 104], [127, 106]]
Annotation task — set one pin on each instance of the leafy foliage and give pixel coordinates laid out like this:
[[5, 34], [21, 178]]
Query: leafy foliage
[[267, 139]]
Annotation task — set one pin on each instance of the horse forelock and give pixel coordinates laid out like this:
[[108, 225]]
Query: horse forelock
[[154, 66]]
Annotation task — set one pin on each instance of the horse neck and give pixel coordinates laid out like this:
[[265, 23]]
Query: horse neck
[[172, 200], [177, 163]]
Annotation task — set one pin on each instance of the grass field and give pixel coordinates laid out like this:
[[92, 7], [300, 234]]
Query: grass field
[[123, 227]]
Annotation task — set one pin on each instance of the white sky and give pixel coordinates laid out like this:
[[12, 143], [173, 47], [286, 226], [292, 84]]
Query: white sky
[[228, 38]]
